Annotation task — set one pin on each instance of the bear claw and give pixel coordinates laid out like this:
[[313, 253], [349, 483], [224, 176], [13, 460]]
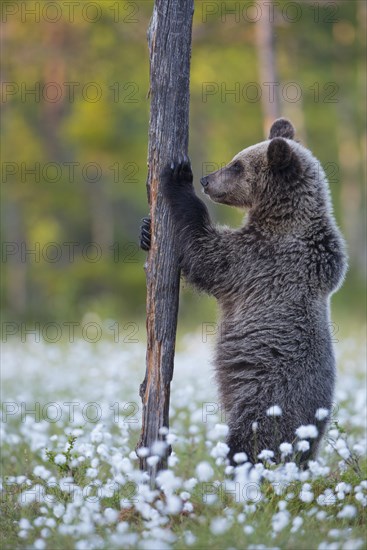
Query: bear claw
[[145, 233], [176, 175]]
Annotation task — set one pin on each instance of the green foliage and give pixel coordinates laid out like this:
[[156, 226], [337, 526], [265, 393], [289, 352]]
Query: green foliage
[[64, 468], [95, 492], [322, 52]]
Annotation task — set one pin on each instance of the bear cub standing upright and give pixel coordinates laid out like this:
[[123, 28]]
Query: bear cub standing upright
[[272, 279]]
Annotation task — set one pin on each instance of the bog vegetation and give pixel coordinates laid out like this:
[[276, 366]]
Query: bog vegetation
[[71, 478]]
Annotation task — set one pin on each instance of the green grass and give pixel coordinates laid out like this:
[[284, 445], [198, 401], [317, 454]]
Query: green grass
[[28, 444]]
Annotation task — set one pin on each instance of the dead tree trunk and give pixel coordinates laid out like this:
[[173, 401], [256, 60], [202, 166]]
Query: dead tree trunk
[[169, 39], [267, 65]]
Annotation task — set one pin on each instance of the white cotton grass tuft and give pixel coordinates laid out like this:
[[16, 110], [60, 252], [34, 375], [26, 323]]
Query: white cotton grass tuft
[[33, 494], [303, 446], [306, 495], [92, 473], [307, 432], [296, 524], [343, 487], [174, 505], [172, 460], [327, 498], [189, 538], [111, 515], [286, 449], [42, 472], [348, 512], [220, 450], [360, 449], [266, 454], [321, 414], [24, 523], [142, 452], [239, 458], [221, 430], [159, 448], [152, 460], [171, 438], [59, 510], [168, 482], [342, 449], [275, 410], [60, 459], [204, 471], [280, 520], [219, 525]]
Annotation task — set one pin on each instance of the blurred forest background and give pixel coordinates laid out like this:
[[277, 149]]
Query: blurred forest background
[[75, 115]]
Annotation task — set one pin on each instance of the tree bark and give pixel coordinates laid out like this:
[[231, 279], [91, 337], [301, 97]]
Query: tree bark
[[267, 65], [169, 39]]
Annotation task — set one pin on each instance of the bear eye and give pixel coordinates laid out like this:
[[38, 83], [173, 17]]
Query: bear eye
[[237, 166]]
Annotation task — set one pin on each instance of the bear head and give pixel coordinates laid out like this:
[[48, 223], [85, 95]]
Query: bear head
[[272, 167]]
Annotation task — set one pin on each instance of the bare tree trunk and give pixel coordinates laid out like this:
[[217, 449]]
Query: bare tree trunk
[[294, 110], [267, 65], [169, 38], [102, 227], [16, 268], [351, 147]]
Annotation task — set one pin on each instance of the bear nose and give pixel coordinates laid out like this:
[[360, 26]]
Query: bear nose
[[204, 181]]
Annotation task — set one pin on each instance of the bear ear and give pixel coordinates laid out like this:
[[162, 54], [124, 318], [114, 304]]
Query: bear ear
[[282, 128], [280, 154]]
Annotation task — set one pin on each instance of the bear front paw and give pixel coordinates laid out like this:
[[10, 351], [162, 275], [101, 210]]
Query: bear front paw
[[176, 175], [145, 233]]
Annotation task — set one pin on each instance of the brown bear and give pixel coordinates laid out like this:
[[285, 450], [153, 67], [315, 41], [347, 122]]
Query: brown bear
[[273, 279]]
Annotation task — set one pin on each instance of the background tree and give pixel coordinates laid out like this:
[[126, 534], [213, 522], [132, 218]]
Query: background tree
[[326, 64], [268, 73]]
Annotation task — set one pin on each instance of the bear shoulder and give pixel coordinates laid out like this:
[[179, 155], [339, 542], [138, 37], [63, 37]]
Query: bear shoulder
[[328, 257]]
